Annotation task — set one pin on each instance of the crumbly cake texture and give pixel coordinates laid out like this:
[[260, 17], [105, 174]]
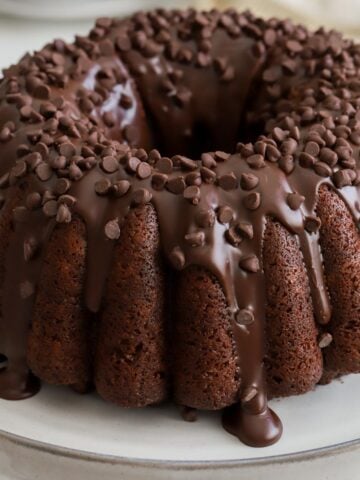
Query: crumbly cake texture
[[179, 214]]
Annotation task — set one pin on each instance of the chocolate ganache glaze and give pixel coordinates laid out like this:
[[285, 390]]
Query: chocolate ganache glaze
[[79, 124]]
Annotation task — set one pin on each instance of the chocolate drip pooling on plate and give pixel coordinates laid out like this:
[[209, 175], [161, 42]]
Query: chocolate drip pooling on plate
[[202, 78]]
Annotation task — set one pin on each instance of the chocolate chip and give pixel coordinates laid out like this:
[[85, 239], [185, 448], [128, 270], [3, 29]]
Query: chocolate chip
[[19, 170], [5, 134], [143, 170], [325, 340], [132, 164], [245, 149], [221, 156], [269, 37], [120, 188], [30, 248], [102, 187], [27, 289], [112, 229], [248, 181], [106, 48], [177, 258], [207, 175], [43, 149], [294, 46], [289, 146], [278, 134], [312, 224], [306, 160], [109, 164], [245, 229], [176, 185], [184, 162], [256, 161], [272, 153], [164, 165], [192, 194], [250, 264], [58, 162], [328, 156], [50, 208], [69, 200], [195, 239], [47, 195], [205, 218], [208, 160], [109, 119], [225, 214], [33, 200], [193, 178], [228, 181], [312, 148], [158, 181], [233, 237], [244, 317], [342, 178], [272, 74], [141, 196], [75, 172], [295, 200], [189, 414], [287, 164], [62, 186], [43, 172], [252, 201], [322, 169], [125, 101], [123, 43], [63, 214], [42, 92]]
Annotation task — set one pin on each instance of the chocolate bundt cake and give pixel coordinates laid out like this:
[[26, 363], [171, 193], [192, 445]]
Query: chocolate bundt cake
[[179, 214]]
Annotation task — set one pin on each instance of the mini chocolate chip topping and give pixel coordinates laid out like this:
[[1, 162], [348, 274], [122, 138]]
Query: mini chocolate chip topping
[[112, 229], [195, 239], [294, 200], [245, 317], [252, 201], [312, 224], [250, 264], [249, 181], [120, 188], [30, 248], [102, 186], [225, 214], [50, 208], [205, 218], [27, 289], [228, 181], [192, 194], [177, 258], [141, 196], [325, 340]]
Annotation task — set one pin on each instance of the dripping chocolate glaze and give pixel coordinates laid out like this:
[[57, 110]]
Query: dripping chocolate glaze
[[197, 81]]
